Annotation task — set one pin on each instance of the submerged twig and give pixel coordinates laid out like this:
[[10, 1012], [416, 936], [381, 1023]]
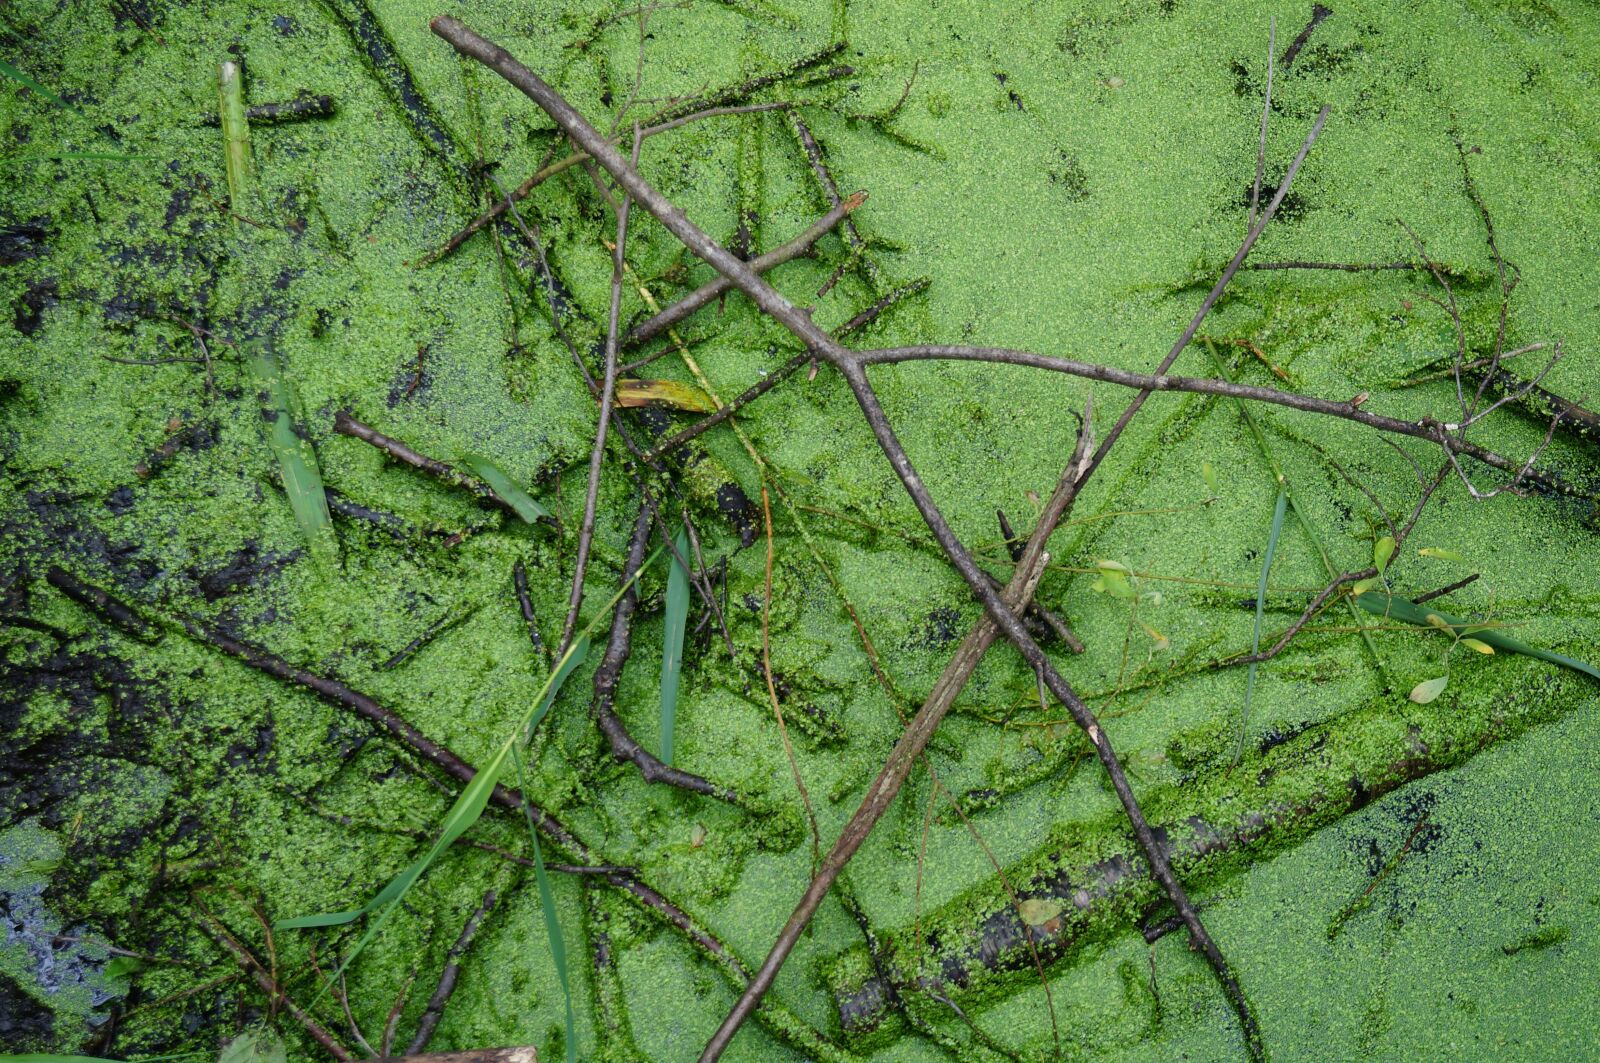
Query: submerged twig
[[449, 976], [345, 424], [623, 745]]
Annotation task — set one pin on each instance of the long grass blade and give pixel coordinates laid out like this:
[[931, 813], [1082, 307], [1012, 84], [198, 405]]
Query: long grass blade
[[7, 70], [235, 134], [672, 648], [462, 815], [1282, 480], [552, 924], [507, 488], [466, 810], [1412, 613], [1278, 512], [297, 461]]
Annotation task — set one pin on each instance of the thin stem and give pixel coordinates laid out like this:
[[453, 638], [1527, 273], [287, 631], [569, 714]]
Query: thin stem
[[1266, 113], [597, 456], [708, 293], [1427, 429]]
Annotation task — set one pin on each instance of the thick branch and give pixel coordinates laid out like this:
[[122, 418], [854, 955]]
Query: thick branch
[[881, 794], [797, 321]]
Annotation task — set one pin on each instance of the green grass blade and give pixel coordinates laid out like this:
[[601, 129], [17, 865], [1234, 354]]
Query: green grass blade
[[552, 925], [672, 648], [235, 134], [1412, 613], [462, 815], [1278, 512], [297, 461], [18, 76], [467, 808], [1283, 484], [580, 650], [507, 488]]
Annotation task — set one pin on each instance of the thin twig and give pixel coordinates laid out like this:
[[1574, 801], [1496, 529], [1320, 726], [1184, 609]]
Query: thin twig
[[708, 293], [449, 976], [772, 692], [597, 455], [345, 424], [1266, 113], [623, 745], [213, 928]]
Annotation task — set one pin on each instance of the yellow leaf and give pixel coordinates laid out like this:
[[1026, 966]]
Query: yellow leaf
[[1481, 647], [667, 393]]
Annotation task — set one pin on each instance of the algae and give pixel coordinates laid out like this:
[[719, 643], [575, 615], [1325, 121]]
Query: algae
[[1062, 189]]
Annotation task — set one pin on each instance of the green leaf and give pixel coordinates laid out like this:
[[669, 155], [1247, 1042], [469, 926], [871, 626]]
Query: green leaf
[[677, 619], [1382, 551], [1209, 475], [123, 966], [235, 134], [1429, 689], [1440, 552], [1410, 613], [1113, 580], [1479, 645], [504, 486], [297, 461], [552, 924], [1278, 512], [20, 78], [255, 1046]]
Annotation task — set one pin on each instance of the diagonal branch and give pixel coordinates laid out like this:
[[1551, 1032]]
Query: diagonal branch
[[881, 794], [799, 322]]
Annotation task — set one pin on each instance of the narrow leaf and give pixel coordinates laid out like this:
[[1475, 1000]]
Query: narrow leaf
[[235, 133], [1411, 613], [1278, 512], [20, 78], [664, 393], [1428, 690], [1209, 475], [1440, 552], [552, 925], [297, 461], [1382, 551], [1479, 645], [462, 815], [504, 486], [672, 647]]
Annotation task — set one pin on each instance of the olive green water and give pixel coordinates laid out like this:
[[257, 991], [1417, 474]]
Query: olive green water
[[1069, 178]]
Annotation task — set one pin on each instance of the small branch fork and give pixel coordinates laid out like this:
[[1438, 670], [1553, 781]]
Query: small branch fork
[[852, 366]]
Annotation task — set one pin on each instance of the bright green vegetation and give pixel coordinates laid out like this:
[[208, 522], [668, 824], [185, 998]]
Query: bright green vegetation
[[1070, 178]]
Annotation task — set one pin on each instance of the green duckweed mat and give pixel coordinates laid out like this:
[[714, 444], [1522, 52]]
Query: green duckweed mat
[[1390, 879]]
